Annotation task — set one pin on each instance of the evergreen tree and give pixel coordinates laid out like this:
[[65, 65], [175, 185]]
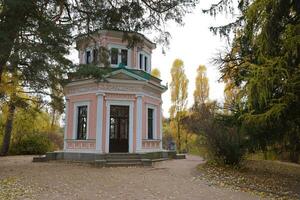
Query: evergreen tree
[[263, 62]]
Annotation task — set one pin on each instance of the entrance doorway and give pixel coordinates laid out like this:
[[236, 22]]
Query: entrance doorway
[[119, 128]]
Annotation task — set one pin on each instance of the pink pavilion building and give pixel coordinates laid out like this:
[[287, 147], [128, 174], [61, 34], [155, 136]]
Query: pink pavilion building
[[122, 114]]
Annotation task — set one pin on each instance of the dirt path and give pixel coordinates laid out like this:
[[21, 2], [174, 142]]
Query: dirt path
[[175, 179]]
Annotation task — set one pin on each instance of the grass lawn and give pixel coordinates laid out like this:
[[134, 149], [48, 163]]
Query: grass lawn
[[272, 179]]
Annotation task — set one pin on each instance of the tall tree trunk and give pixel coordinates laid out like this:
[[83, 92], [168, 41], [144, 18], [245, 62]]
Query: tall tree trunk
[[8, 129], [53, 118], [178, 136]]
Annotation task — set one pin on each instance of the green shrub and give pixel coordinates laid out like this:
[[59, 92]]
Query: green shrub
[[225, 141], [225, 144], [30, 144]]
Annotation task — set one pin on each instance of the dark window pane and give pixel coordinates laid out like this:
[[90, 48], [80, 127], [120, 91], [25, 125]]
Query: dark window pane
[[112, 128], [124, 56], [146, 63], [88, 57], [141, 61], [82, 123], [114, 56], [150, 123]]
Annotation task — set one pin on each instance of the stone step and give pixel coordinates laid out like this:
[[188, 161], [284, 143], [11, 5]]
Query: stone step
[[123, 156], [123, 164], [159, 159], [125, 160]]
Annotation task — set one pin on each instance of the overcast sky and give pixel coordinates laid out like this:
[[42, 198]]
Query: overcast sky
[[193, 43]]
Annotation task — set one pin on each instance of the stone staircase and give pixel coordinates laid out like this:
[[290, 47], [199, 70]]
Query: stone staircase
[[110, 159], [123, 160]]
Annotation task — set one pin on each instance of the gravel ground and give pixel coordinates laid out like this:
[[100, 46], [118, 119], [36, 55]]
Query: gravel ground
[[272, 179], [174, 179]]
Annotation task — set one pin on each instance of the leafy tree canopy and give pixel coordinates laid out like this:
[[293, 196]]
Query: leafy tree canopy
[[263, 62]]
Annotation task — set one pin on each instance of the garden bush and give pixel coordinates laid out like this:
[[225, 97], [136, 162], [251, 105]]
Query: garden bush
[[225, 145], [38, 143]]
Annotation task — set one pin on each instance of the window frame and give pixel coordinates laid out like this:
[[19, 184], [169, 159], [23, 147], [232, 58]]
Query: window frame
[[75, 119], [92, 51], [141, 61], [154, 121], [141, 56], [120, 48], [111, 55], [88, 60], [146, 63], [150, 120], [81, 136]]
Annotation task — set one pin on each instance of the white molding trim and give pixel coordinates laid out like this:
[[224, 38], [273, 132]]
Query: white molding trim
[[75, 118], [129, 103], [66, 123], [111, 80], [99, 122], [139, 121], [142, 82], [154, 107], [115, 92]]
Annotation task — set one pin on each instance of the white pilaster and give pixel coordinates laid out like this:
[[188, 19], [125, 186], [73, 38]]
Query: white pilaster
[[131, 128], [99, 122], [107, 127], [66, 124], [161, 127], [139, 122]]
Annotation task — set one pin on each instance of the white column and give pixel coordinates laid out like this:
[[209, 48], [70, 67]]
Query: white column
[[161, 128], [107, 127], [66, 124], [99, 122], [139, 121], [131, 105]]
